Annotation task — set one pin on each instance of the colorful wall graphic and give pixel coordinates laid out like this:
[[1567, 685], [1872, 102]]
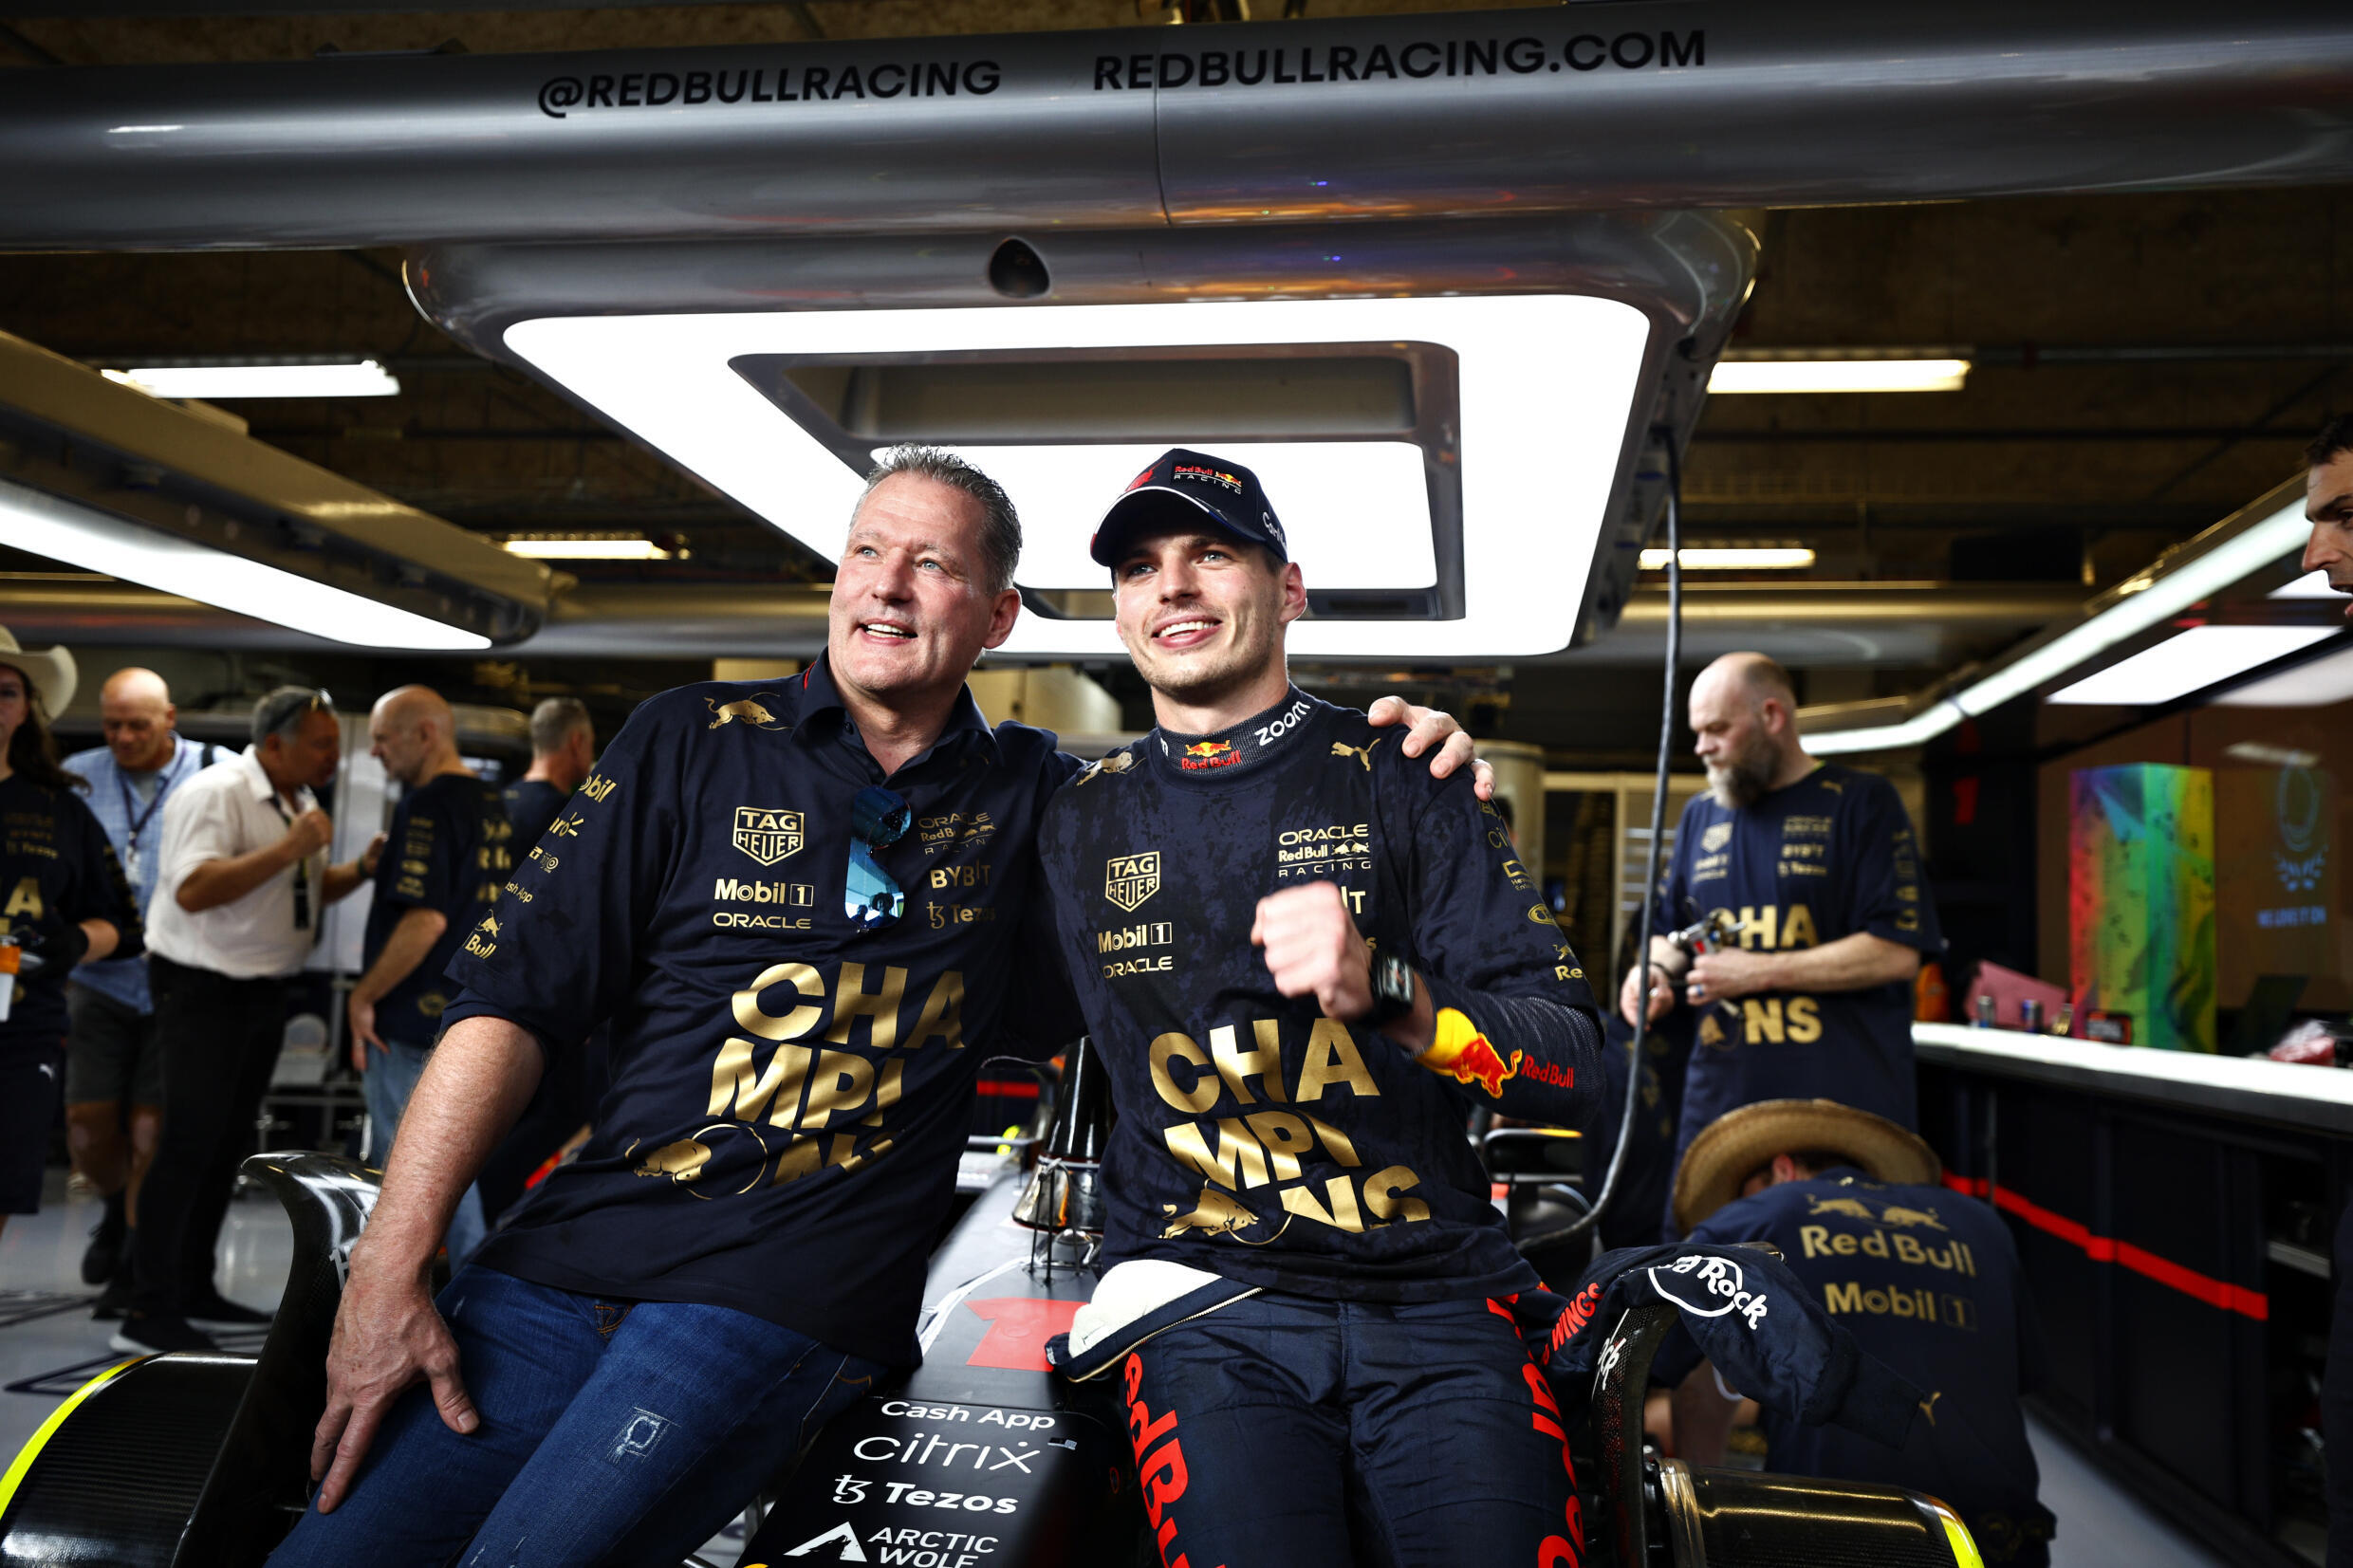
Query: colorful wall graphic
[[2141, 899]]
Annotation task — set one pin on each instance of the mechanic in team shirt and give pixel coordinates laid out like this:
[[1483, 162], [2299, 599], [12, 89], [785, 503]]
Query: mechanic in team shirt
[[1817, 867], [1926, 1279], [801, 903], [1305, 962], [63, 899], [563, 751]]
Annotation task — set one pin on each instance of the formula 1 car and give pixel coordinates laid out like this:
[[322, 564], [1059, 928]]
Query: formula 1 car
[[980, 1458]]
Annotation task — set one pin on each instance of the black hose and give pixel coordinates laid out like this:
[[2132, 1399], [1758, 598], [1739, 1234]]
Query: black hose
[[1577, 1227]]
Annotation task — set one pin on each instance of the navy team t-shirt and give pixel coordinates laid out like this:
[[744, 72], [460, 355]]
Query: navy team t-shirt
[[1829, 856], [1927, 1281], [449, 848], [791, 1091]]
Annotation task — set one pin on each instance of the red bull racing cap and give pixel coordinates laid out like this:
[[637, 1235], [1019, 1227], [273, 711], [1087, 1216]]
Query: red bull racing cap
[[1184, 489]]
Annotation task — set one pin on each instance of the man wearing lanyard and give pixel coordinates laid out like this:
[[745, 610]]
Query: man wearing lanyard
[[240, 884], [113, 1076]]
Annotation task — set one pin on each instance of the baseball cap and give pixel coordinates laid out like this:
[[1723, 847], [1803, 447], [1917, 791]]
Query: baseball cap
[[1184, 490]]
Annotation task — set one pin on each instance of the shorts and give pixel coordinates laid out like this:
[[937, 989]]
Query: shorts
[[29, 1081], [111, 1055]]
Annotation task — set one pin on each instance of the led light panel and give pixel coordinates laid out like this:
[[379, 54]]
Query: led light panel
[[1547, 391], [2321, 683], [2311, 585], [2188, 662], [1731, 558], [585, 549], [359, 379], [1802, 375], [31, 520]]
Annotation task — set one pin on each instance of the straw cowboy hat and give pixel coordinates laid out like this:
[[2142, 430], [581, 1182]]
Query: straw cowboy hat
[[53, 674], [1730, 1149]]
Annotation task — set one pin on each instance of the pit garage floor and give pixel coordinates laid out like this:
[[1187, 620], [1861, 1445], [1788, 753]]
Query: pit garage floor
[[46, 1353]]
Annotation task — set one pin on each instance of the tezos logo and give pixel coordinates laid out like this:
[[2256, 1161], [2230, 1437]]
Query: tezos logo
[[1717, 1284]]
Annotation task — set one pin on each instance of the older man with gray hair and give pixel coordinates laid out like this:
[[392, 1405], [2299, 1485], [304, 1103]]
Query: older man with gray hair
[[242, 879], [1816, 872]]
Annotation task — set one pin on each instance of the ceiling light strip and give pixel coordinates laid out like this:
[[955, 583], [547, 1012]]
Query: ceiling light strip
[[46, 526], [353, 379], [2157, 600], [1737, 377]]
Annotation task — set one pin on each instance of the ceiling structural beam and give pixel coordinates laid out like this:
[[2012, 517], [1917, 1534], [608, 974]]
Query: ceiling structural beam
[[1705, 104]]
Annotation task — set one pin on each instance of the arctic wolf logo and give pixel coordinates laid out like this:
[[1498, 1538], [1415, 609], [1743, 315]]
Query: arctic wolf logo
[[746, 712]]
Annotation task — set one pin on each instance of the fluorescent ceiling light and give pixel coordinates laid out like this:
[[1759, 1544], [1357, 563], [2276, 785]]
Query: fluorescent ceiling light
[[1746, 559], [2186, 663], [2320, 684], [354, 378], [2146, 603], [2271, 756], [1799, 376], [1547, 391], [44, 525], [2311, 585], [589, 549]]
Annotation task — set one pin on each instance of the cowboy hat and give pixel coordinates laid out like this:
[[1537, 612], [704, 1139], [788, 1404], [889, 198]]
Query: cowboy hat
[[53, 674], [1730, 1149]]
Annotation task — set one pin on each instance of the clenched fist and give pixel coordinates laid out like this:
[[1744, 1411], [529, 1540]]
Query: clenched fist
[[1313, 949]]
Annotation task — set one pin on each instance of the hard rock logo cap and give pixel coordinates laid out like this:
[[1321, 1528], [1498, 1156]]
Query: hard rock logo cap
[[1184, 489]]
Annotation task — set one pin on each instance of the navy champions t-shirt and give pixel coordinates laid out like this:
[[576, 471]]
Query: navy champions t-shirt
[[1927, 1281], [790, 1095], [56, 869], [1257, 1138], [449, 848], [1831, 854]]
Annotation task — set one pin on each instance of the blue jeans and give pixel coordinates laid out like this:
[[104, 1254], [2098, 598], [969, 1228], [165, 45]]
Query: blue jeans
[[1285, 1431], [390, 1080], [611, 1433]]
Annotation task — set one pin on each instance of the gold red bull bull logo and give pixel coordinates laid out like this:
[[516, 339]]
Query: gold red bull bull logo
[[1463, 1053]]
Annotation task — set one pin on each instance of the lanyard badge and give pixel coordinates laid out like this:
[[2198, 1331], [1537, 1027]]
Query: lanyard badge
[[872, 898]]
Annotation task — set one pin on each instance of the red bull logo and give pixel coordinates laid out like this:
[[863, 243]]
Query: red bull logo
[[1464, 1054], [1201, 754]]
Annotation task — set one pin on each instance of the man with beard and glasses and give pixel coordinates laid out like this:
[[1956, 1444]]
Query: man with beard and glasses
[[801, 904], [1817, 869]]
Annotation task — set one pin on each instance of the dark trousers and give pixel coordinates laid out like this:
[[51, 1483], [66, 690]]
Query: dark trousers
[[2337, 1404], [219, 1037]]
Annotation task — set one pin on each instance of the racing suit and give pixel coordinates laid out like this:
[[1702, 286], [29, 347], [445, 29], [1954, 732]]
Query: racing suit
[[1367, 1396]]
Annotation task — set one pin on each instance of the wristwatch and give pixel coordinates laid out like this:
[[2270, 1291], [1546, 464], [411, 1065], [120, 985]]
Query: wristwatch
[[1393, 989]]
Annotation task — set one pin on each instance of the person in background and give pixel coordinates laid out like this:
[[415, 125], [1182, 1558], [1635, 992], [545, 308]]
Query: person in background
[[113, 1075], [243, 882], [563, 751], [449, 852], [2328, 503], [1925, 1278], [1818, 867], [63, 899]]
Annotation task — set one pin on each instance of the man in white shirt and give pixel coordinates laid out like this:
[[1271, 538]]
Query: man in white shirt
[[240, 887]]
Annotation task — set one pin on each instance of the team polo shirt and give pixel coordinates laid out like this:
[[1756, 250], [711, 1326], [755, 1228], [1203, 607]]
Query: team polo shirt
[[1927, 1281], [790, 1095], [56, 869], [448, 849], [1827, 857], [1257, 1138]]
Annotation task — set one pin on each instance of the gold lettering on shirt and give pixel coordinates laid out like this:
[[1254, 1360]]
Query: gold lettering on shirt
[[1180, 1047], [24, 900], [851, 1000], [943, 1014], [1332, 1057], [791, 1026], [1343, 1214], [1286, 1138], [738, 1090], [1239, 1160], [841, 1081], [1236, 1066], [1380, 1195]]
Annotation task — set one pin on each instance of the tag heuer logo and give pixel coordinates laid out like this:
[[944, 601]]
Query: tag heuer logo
[[1129, 879], [767, 837], [1717, 837]]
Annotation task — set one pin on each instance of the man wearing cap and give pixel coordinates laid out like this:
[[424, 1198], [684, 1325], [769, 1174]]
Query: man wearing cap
[[804, 906], [1925, 1278], [242, 879], [1818, 870], [1304, 964], [61, 899]]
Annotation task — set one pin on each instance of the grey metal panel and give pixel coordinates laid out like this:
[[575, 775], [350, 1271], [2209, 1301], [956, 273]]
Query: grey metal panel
[[1725, 105]]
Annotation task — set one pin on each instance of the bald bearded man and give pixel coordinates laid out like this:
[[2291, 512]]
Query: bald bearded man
[[447, 852]]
